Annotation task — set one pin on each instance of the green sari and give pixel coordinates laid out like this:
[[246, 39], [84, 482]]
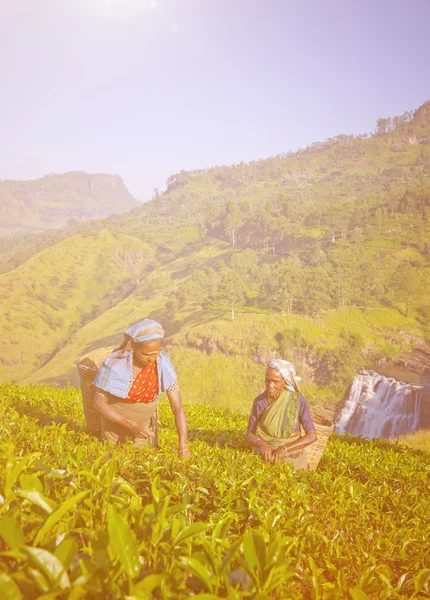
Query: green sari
[[279, 420]]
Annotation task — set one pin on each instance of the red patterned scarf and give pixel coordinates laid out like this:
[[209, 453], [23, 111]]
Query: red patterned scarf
[[145, 386]]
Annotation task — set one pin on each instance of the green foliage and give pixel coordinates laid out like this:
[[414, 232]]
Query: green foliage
[[218, 380], [46, 300], [124, 522], [419, 440]]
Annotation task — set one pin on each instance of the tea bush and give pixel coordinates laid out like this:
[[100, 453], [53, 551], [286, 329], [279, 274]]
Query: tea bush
[[81, 519]]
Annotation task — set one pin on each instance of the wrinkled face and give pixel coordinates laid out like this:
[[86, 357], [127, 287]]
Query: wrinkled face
[[146, 353], [274, 384]]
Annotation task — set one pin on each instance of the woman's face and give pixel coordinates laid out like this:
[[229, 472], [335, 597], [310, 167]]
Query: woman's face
[[146, 353], [274, 384]]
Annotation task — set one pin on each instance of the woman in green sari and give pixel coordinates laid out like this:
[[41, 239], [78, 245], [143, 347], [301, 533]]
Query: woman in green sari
[[276, 416]]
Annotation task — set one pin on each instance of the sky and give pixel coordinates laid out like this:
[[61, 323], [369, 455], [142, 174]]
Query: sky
[[145, 88]]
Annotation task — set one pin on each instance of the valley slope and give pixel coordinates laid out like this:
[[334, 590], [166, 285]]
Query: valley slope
[[319, 256]]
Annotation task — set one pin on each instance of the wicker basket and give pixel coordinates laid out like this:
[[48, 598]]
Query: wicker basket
[[324, 429], [88, 366]]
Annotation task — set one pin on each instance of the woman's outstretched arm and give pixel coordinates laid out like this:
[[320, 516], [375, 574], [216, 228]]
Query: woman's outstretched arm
[[260, 445], [180, 421]]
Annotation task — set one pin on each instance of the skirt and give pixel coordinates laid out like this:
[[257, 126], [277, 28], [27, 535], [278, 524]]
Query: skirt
[[139, 412]]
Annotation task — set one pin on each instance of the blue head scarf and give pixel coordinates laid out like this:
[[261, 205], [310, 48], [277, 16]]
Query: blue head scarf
[[116, 373], [144, 331]]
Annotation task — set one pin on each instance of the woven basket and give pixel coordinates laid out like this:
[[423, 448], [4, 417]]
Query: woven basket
[[88, 366], [324, 429]]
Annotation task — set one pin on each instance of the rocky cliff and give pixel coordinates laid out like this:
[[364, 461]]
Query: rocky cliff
[[55, 199]]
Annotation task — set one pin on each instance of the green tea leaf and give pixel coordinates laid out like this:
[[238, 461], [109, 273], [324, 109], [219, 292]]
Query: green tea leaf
[[8, 588], [199, 569], [37, 498], [58, 514], [50, 565], [13, 471], [123, 543], [250, 553], [357, 594], [155, 489], [177, 508], [254, 550], [30, 483], [11, 532], [39, 580], [66, 552], [146, 586], [422, 579], [190, 531], [221, 527], [108, 471]]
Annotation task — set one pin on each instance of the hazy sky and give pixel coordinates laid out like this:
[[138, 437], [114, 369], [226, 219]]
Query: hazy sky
[[144, 88]]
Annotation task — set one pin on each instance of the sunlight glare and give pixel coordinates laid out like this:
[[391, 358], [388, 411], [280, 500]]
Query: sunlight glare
[[122, 8]]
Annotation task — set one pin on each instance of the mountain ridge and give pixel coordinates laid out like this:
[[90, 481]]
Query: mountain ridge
[[52, 201]]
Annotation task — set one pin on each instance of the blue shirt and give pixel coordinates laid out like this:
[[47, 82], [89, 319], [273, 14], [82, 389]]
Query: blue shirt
[[261, 402], [116, 373]]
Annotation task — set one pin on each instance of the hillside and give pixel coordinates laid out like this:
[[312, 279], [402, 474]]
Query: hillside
[[327, 351], [321, 256], [321, 186], [52, 201], [47, 299], [82, 519], [330, 190]]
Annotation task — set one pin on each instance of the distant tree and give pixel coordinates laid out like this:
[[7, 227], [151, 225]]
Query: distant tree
[[211, 215], [233, 220], [189, 292], [268, 284], [404, 286], [172, 307], [134, 263], [317, 290], [158, 282], [245, 263], [381, 126], [288, 275], [341, 360], [232, 289]]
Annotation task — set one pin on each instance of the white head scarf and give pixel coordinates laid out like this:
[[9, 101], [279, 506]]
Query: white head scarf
[[288, 372]]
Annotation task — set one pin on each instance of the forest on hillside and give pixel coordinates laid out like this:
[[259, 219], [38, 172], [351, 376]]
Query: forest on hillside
[[345, 222]]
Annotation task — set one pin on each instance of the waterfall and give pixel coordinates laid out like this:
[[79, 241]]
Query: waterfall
[[379, 406]]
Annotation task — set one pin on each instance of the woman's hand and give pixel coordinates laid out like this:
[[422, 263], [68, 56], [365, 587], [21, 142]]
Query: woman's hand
[[141, 430], [279, 454], [265, 450], [184, 452]]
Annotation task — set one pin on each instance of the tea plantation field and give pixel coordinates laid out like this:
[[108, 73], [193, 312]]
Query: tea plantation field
[[80, 519]]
